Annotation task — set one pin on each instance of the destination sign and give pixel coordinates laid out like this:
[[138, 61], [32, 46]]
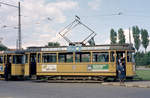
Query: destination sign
[[75, 48], [54, 49]]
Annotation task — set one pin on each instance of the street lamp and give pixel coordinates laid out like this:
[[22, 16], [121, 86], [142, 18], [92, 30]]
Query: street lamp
[[19, 23]]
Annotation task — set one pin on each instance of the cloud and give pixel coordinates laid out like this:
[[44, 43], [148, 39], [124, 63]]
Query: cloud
[[40, 21], [63, 5], [94, 4]]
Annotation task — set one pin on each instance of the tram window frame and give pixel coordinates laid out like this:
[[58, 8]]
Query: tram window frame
[[80, 57], [49, 57], [65, 57], [18, 59], [9, 59], [26, 58], [112, 56], [96, 59], [1, 59], [32, 58], [4, 58], [39, 57], [131, 59]]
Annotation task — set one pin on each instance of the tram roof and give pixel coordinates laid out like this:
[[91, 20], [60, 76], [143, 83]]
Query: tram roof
[[82, 48], [14, 52]]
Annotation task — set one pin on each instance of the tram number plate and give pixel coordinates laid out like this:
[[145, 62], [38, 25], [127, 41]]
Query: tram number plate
[[98, 67]]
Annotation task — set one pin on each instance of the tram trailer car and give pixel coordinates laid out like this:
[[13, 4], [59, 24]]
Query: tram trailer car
[[14, 60], [1, 64]]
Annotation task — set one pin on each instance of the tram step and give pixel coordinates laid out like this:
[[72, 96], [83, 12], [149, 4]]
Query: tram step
[[2, 78], [68, 81], [33, 77]]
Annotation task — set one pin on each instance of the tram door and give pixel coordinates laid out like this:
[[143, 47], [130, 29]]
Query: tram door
[[32, 64], [119, 55], [8, 62]]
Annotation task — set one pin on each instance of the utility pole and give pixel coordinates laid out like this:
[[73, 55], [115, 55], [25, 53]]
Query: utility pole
[[19, 27], [19, 44]]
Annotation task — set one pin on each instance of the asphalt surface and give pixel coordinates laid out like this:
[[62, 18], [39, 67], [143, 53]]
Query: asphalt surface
[[139, 84], [28, 89]]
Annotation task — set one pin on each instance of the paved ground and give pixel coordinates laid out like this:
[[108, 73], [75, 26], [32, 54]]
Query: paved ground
[[27, 89], [139, 84]]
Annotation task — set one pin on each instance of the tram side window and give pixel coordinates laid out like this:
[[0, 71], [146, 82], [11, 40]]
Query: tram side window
[[100, 56], [1, 59], [18, 59], [9, 59], [26, 58], [112, 56], [130, 57], [82, 57], [65, 57], [39, 58], [33, 58], [49, 57]]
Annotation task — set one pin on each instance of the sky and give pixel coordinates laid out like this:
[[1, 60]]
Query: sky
[[42, 20]]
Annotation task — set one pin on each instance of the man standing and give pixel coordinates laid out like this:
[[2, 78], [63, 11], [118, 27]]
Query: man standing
[[121, 71], [6, 72]]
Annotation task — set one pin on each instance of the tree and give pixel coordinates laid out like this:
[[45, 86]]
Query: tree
[[56, 44], [2, 47], [142, 59], [121, 36], [136, 36], [53, 44], [113, 36], [144, 38]]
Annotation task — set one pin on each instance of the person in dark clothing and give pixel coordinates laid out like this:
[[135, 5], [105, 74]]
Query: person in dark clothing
[[121, 71], [6, 72], [124, 65]]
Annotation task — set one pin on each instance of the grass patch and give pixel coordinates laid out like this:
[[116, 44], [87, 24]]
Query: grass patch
[[144, 74]]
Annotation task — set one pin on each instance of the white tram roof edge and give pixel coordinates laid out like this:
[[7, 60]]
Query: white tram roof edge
[[82, 48]]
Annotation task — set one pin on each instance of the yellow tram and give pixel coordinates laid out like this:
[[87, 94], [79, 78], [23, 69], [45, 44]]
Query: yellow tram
[[85, 61], [63, 62]]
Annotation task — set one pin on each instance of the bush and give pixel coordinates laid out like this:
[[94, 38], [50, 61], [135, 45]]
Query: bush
[[142, 59], [148, 66]]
